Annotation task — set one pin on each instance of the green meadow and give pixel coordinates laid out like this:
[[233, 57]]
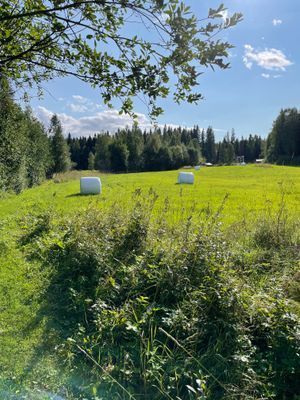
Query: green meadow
[[247, 190], [236, 194]]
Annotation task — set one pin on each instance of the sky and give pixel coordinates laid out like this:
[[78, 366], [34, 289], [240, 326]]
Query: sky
[[262, 79]]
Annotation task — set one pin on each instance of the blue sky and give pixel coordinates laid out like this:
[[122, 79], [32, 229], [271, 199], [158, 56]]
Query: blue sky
[[263, 78]]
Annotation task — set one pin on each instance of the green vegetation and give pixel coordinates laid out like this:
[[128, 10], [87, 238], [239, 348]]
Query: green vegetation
[[161, 150], [41, 39], [283, 144], [152, 290], [59, 147], [142, 292], [25, 155], [251, 189], [28, 158]]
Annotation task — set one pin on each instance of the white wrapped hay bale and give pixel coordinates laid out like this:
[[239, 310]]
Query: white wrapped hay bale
[[186, 177], [90, 185], [197, 167]]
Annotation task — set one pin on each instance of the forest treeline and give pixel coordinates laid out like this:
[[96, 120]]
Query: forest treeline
[[166, 148], [134, 150], [30, 153]]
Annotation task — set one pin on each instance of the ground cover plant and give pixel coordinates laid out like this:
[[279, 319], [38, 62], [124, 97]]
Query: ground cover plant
[[144, 293]]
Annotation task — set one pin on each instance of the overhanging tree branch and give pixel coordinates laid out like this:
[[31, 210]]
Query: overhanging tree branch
[[85, 39]]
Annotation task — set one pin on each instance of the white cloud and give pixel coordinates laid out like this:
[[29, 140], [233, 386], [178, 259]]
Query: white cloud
[[248, 64], [106, 120], [80, 108], [270, 59], [82, 104], [80, 99], [267, 76], [276, 22]]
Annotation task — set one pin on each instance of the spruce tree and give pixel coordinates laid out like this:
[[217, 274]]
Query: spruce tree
[[60, 149], [210, 146]]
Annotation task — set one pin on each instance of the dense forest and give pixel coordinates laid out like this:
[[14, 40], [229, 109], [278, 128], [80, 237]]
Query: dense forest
[[162, 149], [283, 143], [29, 153]]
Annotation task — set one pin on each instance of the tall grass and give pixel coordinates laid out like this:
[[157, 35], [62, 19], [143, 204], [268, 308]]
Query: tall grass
[[147, 309]]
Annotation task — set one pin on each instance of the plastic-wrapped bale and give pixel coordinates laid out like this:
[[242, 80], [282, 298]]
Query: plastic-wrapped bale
[[90, 185], [197, 167], [186, 177]]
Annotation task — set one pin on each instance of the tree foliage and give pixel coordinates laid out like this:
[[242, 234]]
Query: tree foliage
[[91, 161], [24, 146], [162, 149], [210, 147], [283, 144], [41, 39], [28, 155], [60, 149]]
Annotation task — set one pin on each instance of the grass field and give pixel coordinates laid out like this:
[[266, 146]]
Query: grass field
[[250, 192]]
